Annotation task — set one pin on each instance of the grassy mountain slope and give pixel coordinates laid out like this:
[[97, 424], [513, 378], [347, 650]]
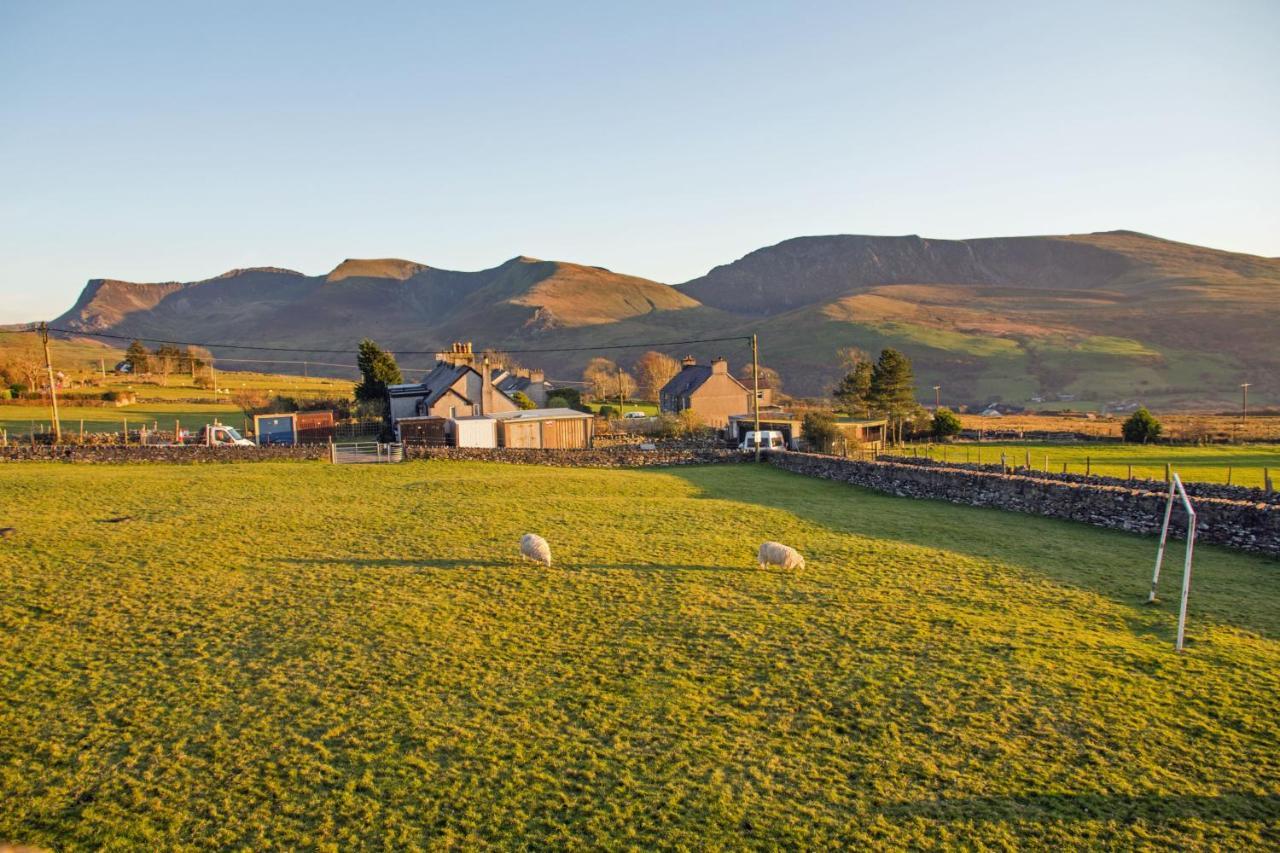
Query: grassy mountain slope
[[1097, 316]]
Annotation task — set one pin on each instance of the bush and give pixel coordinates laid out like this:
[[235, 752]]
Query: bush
[[6, 394], [820, 430], [945, 423], [522, 400], [689, 423], [607, 411], [17, 389], [1141, 427]]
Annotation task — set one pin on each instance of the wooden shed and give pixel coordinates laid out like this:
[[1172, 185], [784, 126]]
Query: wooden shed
[[423, 430], [552, 429]]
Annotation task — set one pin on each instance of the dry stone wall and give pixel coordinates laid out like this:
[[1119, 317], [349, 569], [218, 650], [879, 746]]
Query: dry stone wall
[[1251, 525]]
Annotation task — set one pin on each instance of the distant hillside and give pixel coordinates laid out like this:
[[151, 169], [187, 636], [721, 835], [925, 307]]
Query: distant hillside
[[1115, 314], [1097, 316]]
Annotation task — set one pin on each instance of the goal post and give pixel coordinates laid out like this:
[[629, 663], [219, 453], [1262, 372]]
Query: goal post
[[1176, 493]]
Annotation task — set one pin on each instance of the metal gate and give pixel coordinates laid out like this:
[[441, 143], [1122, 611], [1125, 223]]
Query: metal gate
[[365, 451]]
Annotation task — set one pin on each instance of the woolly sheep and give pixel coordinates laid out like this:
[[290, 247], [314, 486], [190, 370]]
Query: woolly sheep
[[535, 548], [777, 554]]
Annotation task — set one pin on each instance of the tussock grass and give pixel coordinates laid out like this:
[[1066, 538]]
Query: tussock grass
[[305, 655]]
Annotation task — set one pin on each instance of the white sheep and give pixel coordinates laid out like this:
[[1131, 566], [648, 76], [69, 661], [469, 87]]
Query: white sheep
[[535, 548], [777, 554]]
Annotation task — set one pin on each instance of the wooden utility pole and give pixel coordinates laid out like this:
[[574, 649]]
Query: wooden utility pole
[[53, 391], [937, 398], [620, 395], [1244, 405], [755, 389]]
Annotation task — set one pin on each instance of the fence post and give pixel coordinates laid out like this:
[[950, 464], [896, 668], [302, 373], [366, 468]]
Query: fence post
[[333, 452], [1228, 475], [1028, 460], [1167, 474], [1087, 466], [1266, 479]]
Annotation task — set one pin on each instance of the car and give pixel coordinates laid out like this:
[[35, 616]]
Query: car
[[765, 439], [635, 415]]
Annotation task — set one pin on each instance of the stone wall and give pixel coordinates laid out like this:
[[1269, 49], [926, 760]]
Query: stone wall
[[612, 457], [1195, 490], [1251, 525], [617, 457], [191, 453]]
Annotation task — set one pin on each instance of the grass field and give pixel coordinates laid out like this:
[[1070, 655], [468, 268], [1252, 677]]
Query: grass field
[[162, 404], [338, 657], [1207, 464]]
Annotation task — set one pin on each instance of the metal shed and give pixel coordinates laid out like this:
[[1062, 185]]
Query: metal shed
[[475, 432]]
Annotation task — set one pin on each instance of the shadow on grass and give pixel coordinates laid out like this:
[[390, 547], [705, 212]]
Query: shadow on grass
[[1082, 807], [384, 563], [1230, 587]]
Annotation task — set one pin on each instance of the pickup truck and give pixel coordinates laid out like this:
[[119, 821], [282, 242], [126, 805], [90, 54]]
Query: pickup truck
[[221, 435]]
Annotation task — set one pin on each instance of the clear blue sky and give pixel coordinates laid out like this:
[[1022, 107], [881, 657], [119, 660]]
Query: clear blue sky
[[161, 141]]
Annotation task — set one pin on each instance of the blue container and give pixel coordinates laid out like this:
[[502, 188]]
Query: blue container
[[275, 429]]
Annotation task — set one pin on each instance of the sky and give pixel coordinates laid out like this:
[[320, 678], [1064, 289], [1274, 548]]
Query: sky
[[175, 141]]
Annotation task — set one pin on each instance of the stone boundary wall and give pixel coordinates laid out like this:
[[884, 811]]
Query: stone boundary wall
[[181, 454], [613, 457], [1248, 525], [617, 457], [1251, 494]]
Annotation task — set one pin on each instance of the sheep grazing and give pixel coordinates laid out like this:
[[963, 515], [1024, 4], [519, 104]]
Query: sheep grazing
[[535, 548], [777, 554]]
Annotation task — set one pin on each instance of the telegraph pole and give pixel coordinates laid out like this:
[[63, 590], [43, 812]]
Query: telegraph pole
[[53, 392], [1244, 404], [937, 398], [755, 389]]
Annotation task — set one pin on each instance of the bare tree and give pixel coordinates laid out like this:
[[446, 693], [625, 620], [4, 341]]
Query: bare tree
[[654, 370], [769, 378], [601, 375]]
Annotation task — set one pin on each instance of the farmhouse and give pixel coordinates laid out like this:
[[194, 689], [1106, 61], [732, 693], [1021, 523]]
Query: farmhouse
[[710, 391], [532, 383], [453, 388]]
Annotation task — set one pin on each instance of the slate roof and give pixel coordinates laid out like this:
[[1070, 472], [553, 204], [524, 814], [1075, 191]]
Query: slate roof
[[688, 380]]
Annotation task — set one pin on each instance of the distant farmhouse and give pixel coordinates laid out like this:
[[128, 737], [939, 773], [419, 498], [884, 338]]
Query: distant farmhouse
[[710, 391], [466, 402], [453, 388]]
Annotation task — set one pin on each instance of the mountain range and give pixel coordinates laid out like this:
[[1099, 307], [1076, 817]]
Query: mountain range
[[1102, 316]]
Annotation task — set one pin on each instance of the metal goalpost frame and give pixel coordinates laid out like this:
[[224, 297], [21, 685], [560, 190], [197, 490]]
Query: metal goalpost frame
[[1176, 491]]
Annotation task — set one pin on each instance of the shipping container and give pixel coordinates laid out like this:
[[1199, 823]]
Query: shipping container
[[314, 427], [275, 429]]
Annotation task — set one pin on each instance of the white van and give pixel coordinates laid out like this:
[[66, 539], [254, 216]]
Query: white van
[[765, 439]]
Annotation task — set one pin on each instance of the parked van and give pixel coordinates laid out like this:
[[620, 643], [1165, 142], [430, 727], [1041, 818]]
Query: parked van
[[765, 439]]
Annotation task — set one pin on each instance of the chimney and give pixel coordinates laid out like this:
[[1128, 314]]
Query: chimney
[[486, 387], [719, 365], [458, 353], [537, 377], [688, 361]]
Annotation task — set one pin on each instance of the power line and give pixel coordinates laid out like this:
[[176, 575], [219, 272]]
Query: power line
[[211, 346]]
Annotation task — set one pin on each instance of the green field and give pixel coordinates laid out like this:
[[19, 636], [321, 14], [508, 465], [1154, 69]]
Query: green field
[[161, 405], [1208, 464], [339, 657]]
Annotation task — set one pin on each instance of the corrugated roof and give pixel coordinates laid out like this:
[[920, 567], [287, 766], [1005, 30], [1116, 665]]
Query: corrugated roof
[[540, 414]]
